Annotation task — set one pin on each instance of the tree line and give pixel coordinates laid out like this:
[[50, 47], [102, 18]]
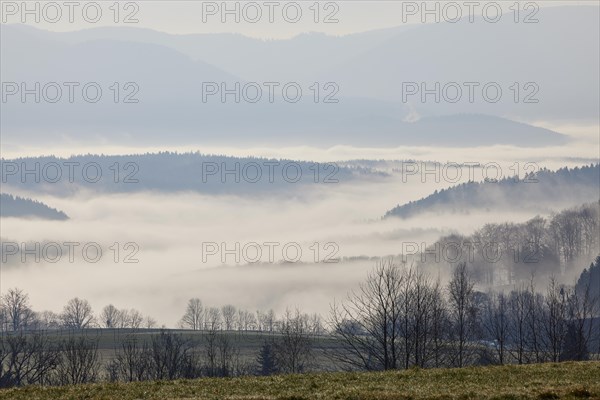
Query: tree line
[[229, 318], [39, 357], [509, 253], [399, 317], [16, 314]]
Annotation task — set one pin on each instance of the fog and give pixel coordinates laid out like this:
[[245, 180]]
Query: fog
[[170, 229], [584, 139]]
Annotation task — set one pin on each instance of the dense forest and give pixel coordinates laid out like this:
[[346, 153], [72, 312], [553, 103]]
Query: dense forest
[[172, 171], [532, 192], [15, 206]]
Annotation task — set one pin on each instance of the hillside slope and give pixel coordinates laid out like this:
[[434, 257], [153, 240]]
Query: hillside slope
[[542, 381], [19, 207], [543, 191]]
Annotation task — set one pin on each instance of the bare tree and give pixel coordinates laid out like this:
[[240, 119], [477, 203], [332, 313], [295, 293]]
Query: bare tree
[[260, 321], [78, 314], [590, 229], [212, 353], [27, 359], [405, 316], [535, 305], [293, 348], [423, 297], [79, 361], [150, 322], [315, 324], [440, 325], [194, 315], [496, 324], [567, 231], [368, 323], [555, 321], [228, 353], [110, 317], [136, 319], [269, 321], [124, 319], [222, 356], [213, 319], [242, 319], [171, 357], [461, 302], [47, 320], [17, 309], [519, 315], [132, 363], [246, 320], [228, 311], [251, 322]]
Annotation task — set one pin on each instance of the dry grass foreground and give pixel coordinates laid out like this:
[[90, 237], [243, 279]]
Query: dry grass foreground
[[543, 381]]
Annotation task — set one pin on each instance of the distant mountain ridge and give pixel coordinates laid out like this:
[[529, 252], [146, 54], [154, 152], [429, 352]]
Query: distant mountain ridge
[[564, 186], [368, 68], [20, 207], [185, 172], [373, 65]]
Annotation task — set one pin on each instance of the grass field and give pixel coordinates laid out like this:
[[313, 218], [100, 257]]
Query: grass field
[[247, 343], [543, 382]]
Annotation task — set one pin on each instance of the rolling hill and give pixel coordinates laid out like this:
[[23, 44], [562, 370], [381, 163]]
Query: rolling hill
[[19, 207], [547, 189]]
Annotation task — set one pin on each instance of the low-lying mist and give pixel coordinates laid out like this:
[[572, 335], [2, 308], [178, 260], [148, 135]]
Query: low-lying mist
[[178, 239]]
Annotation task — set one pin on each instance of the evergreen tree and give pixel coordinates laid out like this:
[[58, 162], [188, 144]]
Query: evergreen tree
[[574, 347], [266, 359]]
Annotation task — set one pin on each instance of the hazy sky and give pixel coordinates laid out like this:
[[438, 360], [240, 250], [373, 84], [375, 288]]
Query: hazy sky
[[185, 17]]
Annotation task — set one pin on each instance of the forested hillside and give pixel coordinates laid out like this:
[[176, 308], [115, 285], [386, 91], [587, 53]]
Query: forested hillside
[[15, 206], [533, 192]]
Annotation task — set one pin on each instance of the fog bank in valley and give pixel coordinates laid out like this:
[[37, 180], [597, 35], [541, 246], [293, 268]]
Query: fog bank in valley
[[341, 220]]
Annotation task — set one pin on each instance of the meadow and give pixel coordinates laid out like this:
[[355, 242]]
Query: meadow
[[569, 380]]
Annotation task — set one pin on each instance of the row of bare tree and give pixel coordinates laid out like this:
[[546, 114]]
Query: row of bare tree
[[229, 318], [40, 358], [400, 318], [508, 253], [16, 314], [36, 359]]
